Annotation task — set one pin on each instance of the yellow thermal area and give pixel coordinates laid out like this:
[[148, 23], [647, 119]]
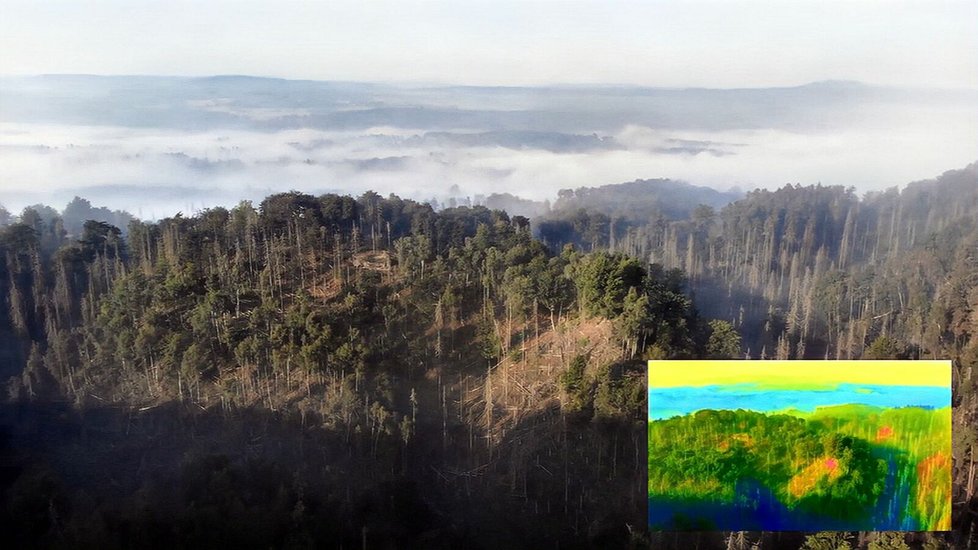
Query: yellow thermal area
[[787, 375], [806, 480]]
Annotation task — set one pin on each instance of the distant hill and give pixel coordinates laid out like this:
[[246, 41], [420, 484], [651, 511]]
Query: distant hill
[[71, 219], [516, 206], [517, 116], [639, 200]]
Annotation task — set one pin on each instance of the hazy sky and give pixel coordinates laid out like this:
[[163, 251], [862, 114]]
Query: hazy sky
[[725, 43]]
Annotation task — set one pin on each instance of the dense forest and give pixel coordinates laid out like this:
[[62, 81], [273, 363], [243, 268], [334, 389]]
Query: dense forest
[[814, 272], [374, 372], [326, 370]]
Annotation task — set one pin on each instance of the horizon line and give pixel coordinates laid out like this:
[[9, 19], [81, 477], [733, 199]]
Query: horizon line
[[422, 83]]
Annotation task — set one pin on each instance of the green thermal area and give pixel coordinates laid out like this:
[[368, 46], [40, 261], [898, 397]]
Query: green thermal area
[[838, 461]]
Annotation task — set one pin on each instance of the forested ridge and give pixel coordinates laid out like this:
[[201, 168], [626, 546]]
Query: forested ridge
[[815, 271], [372, 372], [320, 371]]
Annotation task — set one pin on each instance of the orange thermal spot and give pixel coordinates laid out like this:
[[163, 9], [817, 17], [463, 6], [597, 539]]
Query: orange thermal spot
[[885, 432], [803, 482], [933, 497], [928, 466], [809, 477]]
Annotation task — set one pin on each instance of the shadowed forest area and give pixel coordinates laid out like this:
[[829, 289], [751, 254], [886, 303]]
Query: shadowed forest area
[[373, 372]]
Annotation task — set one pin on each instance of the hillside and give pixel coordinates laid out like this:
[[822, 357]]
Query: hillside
[[394, 355], [813, 271], [328, 368]]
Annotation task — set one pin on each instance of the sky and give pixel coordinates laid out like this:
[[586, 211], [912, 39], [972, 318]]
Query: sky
[[156, 149], [729, 43], [799, 374]]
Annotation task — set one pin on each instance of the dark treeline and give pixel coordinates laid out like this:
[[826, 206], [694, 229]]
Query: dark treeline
[[69, 221]]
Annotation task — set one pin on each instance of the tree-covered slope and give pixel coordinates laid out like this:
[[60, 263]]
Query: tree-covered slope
[[374, 346]]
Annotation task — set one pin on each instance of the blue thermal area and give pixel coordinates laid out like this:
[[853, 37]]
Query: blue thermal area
[[669, 402]]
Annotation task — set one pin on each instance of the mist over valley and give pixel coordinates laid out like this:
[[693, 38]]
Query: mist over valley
[[155, 146]]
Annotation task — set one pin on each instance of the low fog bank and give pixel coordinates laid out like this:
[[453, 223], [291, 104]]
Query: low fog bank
[[156, 146]]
